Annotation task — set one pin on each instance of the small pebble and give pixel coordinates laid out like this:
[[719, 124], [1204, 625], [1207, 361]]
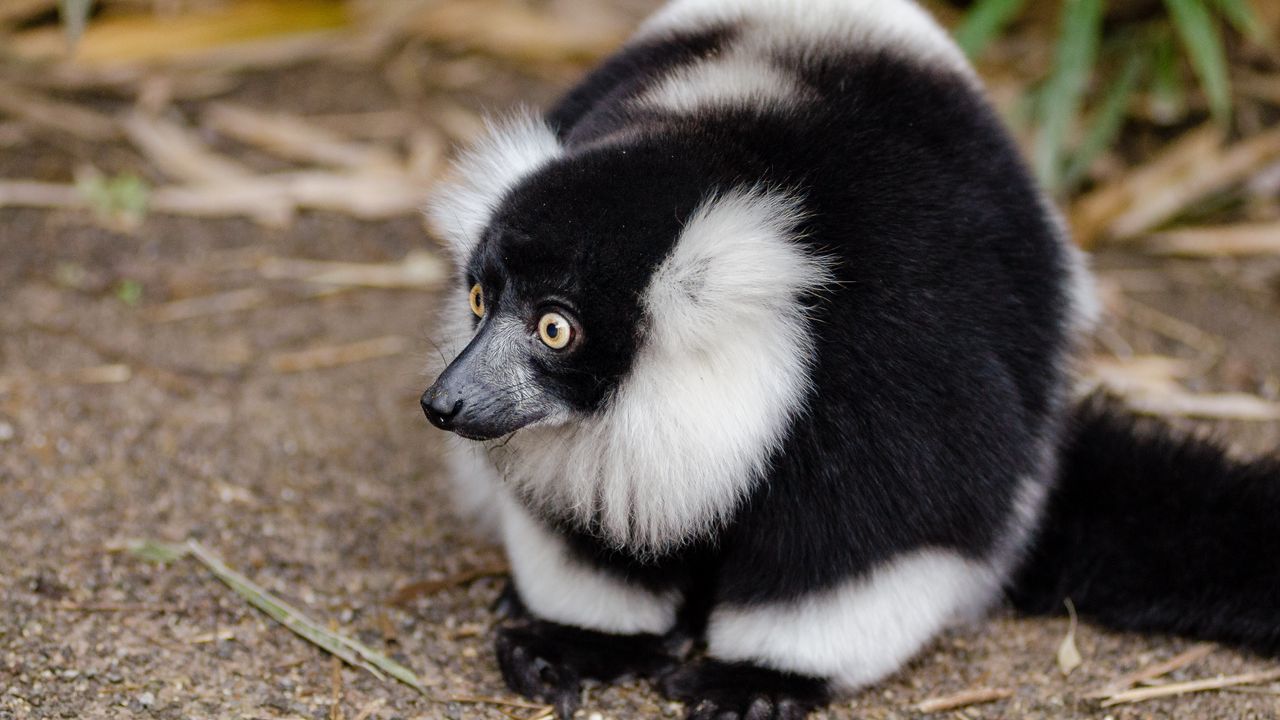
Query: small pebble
[[6, 432]]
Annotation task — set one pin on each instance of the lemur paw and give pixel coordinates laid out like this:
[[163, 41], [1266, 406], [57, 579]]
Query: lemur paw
[[548, 662], [739, 691]]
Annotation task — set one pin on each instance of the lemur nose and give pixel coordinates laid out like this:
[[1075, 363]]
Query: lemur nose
[[441, 407]]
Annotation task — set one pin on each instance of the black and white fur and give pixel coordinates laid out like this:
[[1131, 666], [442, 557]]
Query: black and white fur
[[816, 408]]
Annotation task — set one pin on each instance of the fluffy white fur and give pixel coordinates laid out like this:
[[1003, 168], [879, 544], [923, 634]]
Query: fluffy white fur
[[863, 630], [557, 587], [733, 78], [900, 26], [722, 370], [476, 486], [510, 150]]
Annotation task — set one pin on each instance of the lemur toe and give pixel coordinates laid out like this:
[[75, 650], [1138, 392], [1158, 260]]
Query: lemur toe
[[715, 690]]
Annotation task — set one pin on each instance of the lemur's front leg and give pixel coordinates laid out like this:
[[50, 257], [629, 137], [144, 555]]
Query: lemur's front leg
[[774, 654], [574, 621]]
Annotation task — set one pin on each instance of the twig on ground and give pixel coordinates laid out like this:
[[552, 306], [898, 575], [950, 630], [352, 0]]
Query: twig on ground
[[1177, 662], [294, 138], [107, 607], [419, 270], [335, 674], [216, 304], [422, 588], [480, 700], [330, 356], [1193, 686], [178, 153], [1220, 241], [1190, 169], [963, 699], [43, 112], [1068, 654]]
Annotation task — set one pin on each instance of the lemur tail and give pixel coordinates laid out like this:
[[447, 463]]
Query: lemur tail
[[1149, 531]]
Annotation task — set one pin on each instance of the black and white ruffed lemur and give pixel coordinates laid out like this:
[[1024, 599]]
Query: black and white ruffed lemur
[[762, 337]]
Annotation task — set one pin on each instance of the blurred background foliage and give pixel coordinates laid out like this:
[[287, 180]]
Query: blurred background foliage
[[1138, 114]]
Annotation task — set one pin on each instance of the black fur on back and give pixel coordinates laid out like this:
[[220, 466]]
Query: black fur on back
[[940, 352], [1148, 530]]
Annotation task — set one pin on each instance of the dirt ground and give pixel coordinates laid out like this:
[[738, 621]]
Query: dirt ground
[[324, 485]]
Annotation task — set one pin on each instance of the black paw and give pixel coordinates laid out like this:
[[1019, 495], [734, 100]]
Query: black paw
[[714, 690], [548, 662]]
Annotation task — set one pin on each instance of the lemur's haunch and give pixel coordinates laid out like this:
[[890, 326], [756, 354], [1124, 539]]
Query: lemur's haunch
[[762, 337]]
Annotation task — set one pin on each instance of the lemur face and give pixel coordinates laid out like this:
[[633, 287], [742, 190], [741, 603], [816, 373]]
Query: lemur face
[[555, 284]]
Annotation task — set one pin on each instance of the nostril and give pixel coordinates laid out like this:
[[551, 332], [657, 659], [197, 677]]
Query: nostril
[[440, 407]]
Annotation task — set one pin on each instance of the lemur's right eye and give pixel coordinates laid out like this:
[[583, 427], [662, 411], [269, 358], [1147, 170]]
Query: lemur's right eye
[[477, 300]]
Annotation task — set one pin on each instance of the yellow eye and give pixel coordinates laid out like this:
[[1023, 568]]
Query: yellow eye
[[555, 331], [477, 300]]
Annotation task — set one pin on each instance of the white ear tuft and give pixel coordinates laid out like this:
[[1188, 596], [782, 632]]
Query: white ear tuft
[[511, 149]]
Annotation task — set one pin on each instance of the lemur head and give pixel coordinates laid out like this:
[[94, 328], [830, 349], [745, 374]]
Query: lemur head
[[631, 316], [555, 282]]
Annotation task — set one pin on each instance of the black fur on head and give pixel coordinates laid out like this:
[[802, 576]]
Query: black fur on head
[[579, 238]]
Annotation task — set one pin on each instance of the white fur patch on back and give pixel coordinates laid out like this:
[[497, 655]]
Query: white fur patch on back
[[560, 588], [510, 150], [894, 25], [863, 630], [722, 370], [735, 78]]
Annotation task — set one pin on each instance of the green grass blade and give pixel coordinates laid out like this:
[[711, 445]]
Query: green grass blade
[[75, 16], [1242, 17], [1107, 121], [1200, 36], [983, 22], [350, 651], [1168, 95], [1064, 90]]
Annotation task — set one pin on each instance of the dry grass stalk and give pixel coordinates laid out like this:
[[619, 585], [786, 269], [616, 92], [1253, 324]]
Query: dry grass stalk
[[1190, 169], [518, 32], [43, 112], [217, 304], [499, 702], [963, 699], [113, 374], [331, 356], [294, 138], [418, 270], [203, 36], [1068, 655], [269, 199], [1151, 672], [30, 193], [1092, 214], [1208, 406], [1193, 686], [1221, 241], [423, 588], [1149, 385], [178, 153]]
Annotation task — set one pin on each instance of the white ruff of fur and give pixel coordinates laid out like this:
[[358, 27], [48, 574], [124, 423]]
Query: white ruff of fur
[[511, 150], [863, 630], [721, 373], [558, 587], [899, 26]]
